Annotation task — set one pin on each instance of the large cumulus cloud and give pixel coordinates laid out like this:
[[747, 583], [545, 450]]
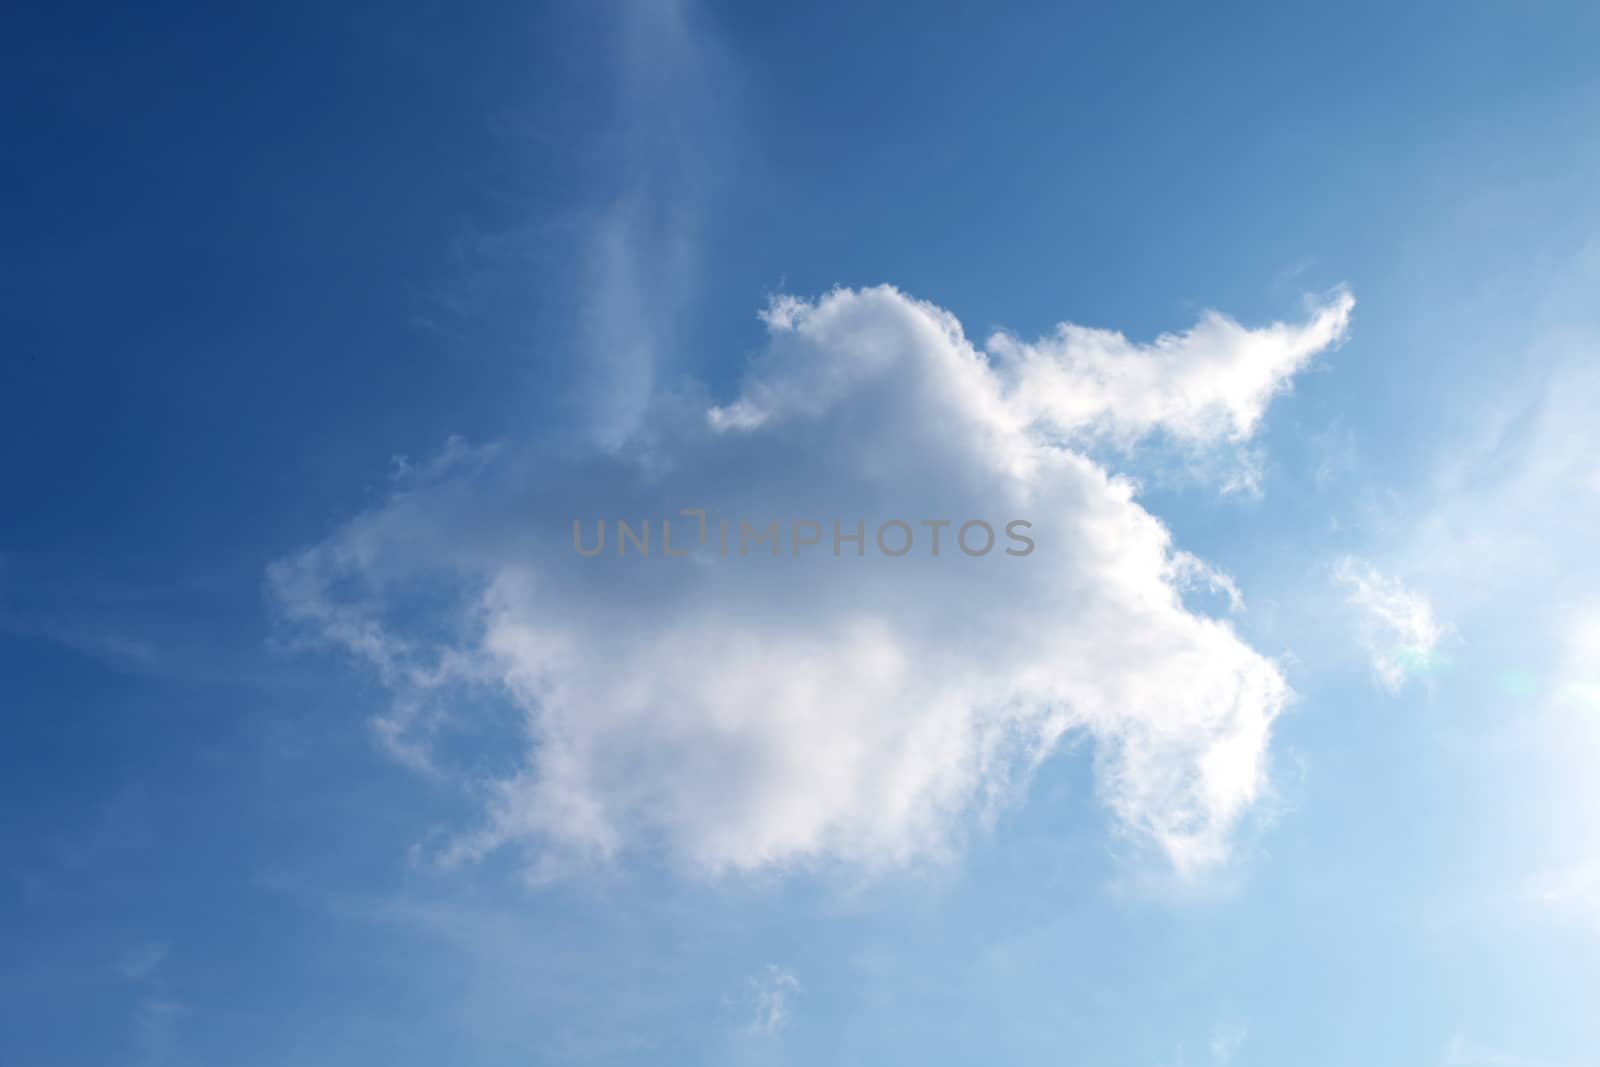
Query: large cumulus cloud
[[750, 711]]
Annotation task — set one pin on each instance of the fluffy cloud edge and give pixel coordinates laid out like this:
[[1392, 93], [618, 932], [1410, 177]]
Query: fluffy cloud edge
[[1179, 707]]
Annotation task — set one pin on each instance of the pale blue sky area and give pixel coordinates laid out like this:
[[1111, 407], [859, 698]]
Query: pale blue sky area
[[319, 747]]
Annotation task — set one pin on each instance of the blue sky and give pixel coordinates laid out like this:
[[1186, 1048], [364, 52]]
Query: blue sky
[[319, 745]]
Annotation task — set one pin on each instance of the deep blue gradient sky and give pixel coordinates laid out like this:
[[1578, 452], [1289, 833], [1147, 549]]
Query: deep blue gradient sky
[[249, 260]]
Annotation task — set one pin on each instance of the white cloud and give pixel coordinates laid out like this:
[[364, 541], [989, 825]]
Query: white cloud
[[747, 713], [1460, 1052], [1398, 628], [1569, 893], [1513, 513], [155, 1024], [1212, 382], [1566, 732], [1504, 542], [142, 961], [1226, 1041], [770, 998]]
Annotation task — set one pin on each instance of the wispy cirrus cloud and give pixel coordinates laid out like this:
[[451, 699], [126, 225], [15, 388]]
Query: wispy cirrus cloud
[[770, 998], [1397, 624], [142, 961], [640, 250], [1459, 1052], [1227, 1041]]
